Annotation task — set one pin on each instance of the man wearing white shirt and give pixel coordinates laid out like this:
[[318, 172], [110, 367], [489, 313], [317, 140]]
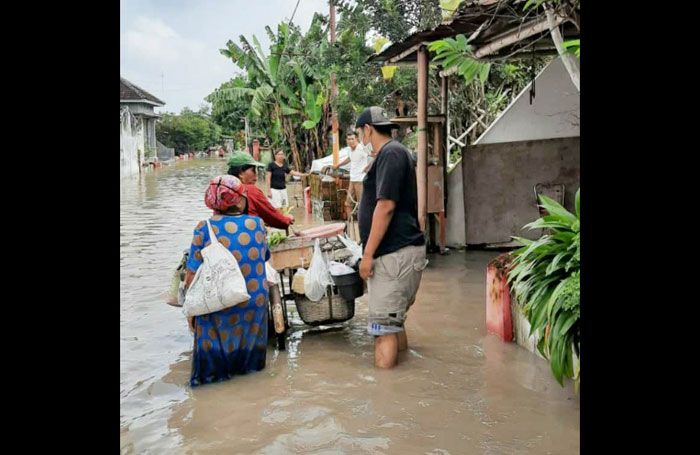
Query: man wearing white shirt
[[359, 160]]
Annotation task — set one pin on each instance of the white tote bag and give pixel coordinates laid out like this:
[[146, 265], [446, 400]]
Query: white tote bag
[[218, 283]]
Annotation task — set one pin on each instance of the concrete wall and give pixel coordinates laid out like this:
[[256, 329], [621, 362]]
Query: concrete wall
[[165, 153], [499, 185], [554, 111], [151, 132], [455, 233], [131, 145], [139, 108]]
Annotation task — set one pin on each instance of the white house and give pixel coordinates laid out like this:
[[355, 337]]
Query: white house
[[137, 126]]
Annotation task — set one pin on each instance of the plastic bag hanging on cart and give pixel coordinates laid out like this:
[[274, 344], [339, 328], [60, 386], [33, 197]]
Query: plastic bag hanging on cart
[[339, 269], [317, 278], [353, 247]]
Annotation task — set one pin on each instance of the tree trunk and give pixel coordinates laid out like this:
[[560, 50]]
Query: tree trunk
[[305, 148], [324, 131], [291, 138], [316, 146]]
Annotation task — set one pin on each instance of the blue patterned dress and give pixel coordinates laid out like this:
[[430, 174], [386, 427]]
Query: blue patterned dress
[[232, 341]]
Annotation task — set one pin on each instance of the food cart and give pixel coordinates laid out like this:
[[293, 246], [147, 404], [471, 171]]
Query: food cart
[[295, 252]]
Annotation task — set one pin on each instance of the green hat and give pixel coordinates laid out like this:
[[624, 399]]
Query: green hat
[[243, 159]]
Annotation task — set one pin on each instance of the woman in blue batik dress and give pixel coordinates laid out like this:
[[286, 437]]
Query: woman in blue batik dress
[[234, 340]]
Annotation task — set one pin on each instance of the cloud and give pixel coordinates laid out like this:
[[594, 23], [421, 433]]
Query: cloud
[[152, 40], [171, 47]]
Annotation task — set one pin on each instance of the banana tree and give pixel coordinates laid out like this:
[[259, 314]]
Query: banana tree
[[316, 66], [268, 88], [259, 89], [313, 113]]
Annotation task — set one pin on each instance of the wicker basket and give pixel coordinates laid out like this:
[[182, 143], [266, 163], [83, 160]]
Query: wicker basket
[[329, 310]]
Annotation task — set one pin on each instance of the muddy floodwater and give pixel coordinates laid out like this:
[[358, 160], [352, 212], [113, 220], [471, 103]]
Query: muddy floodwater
[[455, 391]]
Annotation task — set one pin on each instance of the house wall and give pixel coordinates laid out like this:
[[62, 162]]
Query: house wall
[[131, 144], [140, 108], [554, 113], [151, 132], [499, 181], [455, 233], [149, 123]]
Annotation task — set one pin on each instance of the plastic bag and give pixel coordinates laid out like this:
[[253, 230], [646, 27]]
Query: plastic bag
[[317, 277], [339, 269], [354, 248]]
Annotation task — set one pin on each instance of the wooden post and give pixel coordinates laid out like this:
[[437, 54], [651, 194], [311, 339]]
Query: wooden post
[[516, 34], [437, 143], [334, 92], [422, 136], [445, 131]]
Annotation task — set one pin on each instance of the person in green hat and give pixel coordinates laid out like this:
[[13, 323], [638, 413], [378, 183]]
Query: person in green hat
[[243, 166]]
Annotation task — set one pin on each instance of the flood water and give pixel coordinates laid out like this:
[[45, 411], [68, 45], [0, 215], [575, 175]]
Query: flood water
[[456, 390]]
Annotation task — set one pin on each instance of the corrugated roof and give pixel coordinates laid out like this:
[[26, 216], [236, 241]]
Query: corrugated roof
[[495, 18]]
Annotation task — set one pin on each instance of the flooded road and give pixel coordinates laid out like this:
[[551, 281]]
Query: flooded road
[[455, 391]]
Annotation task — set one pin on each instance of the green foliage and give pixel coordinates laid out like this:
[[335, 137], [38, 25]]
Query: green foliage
[[458, 53], [545, 277], [285, 91], [573, 46], [188, 131], [396, 19]]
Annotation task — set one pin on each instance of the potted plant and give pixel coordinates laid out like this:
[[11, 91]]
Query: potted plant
[[545, 279]]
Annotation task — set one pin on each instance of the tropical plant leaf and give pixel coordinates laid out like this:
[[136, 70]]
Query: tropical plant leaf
[[544, 276], [484, 73], [555, 209], [287, 110]]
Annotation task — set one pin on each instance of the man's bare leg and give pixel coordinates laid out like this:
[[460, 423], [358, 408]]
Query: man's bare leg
[[386, 351]]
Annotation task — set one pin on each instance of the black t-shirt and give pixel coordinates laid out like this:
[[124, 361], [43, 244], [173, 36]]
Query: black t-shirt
[[277, 180], [392, 176]]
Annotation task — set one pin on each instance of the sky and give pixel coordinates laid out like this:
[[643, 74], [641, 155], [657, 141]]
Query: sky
[[170, 48]]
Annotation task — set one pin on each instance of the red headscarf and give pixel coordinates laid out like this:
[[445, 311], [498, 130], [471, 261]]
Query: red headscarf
[[223, 192]]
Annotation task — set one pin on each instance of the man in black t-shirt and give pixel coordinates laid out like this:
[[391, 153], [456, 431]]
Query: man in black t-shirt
[[394, 246], [276, 180]]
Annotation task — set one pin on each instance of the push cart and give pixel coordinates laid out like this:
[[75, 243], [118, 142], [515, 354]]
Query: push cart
[[338, 305]]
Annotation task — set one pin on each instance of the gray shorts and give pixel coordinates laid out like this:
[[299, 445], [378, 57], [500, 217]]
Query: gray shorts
[[393, 287]]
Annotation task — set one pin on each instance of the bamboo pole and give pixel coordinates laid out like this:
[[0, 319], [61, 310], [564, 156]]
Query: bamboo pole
[[422, 137]]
